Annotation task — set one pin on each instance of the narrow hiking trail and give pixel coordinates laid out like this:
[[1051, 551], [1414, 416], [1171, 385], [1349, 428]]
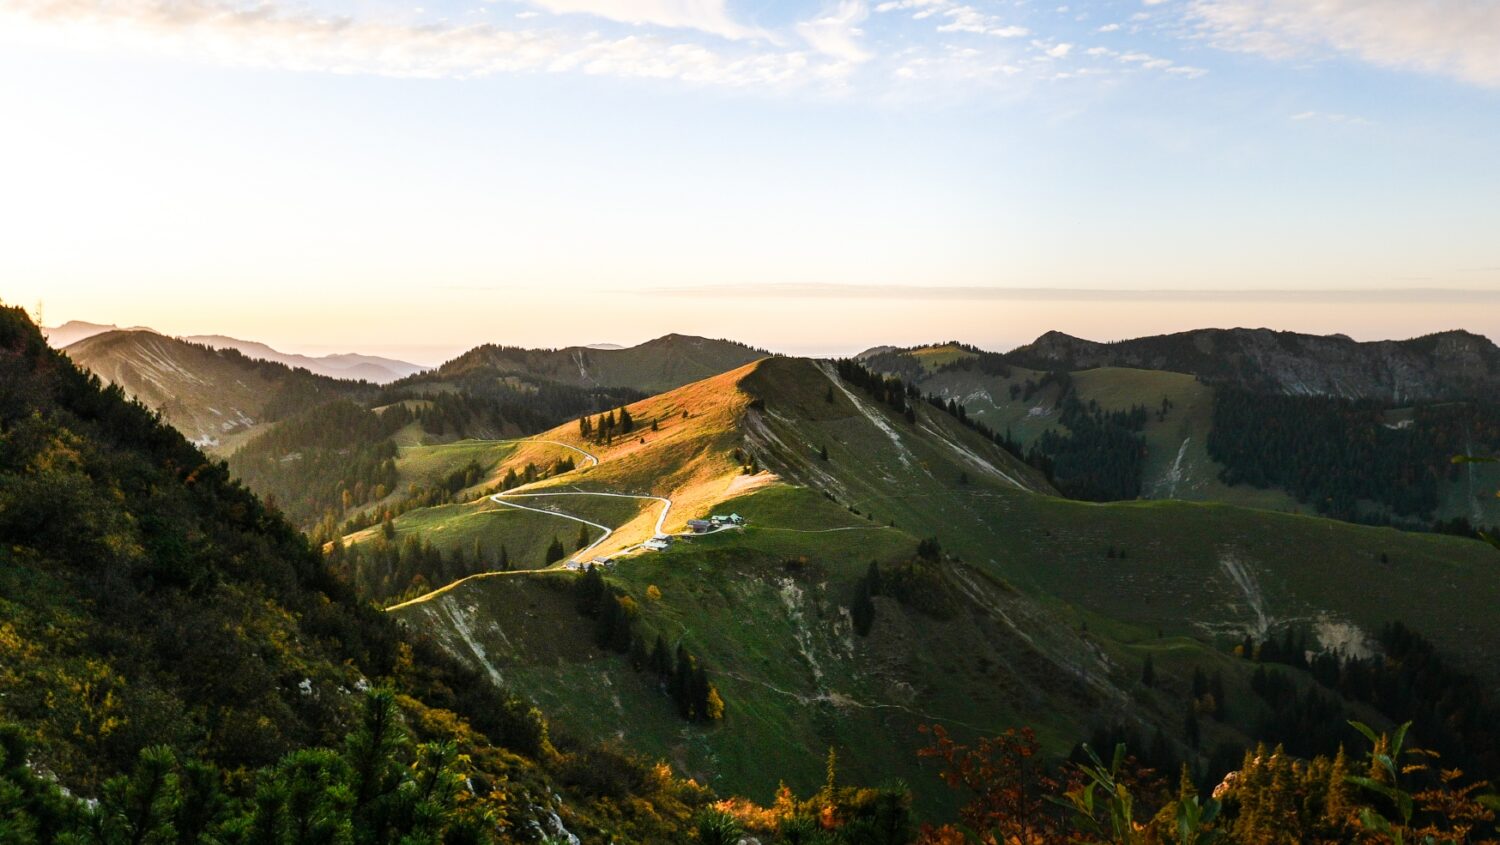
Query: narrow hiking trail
[[504, 499]]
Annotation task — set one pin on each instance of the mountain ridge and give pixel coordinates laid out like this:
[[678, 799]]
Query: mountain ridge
[[653, 366], [1443, 365], [216, 397]]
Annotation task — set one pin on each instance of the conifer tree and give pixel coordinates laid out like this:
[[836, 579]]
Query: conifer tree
[[372, 749], [660, 661], [140, 808]]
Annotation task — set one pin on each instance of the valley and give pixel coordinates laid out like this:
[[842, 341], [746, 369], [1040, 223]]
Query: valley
[[902, 561]]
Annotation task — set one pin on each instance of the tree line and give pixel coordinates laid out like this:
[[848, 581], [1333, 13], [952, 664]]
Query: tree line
[[1333, 454]]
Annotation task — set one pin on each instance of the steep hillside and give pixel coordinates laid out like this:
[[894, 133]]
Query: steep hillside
[[213, 396], [651, 367], [148, 602], [1036, 610], [347, 365], [1448, 365]]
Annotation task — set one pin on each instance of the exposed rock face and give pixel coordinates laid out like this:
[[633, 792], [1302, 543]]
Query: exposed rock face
[[1448, 365]]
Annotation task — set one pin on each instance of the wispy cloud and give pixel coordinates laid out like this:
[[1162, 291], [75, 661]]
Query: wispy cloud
[[978, 293], [955, 17], [267, 34], [693, 41], [711, 16], [1454, 38], [836, 31], [1331, 117]]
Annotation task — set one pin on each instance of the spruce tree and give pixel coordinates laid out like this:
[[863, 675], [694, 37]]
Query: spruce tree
[[661, 659]]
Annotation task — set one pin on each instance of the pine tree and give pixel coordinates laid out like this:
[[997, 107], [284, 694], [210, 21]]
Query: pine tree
[[141, 807], [661, 659], [1216, 689], [372, 751], [823, 452], [555, 551], [1148, 673], [503, 564], [627, 424], [202, 803], [681, 686], [309, 793], [698, 693], [638, 656], [591, 592], [583, 538], [862, 610]]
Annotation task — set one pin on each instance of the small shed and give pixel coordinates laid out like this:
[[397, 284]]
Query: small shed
[[700, 526]]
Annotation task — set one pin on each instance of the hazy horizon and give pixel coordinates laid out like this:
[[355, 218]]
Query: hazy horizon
[[1399, 314]]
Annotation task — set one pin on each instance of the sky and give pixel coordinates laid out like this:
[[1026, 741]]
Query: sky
[[811, 177]]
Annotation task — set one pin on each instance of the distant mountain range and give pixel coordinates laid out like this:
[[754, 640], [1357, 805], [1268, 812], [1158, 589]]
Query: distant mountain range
[[371, 368], [347, 365]]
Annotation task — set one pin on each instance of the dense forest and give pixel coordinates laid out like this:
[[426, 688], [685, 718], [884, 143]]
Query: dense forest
[[1100, 457], [1338, 455], [333, 457]]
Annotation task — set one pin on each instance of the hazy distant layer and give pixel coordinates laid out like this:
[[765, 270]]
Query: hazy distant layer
[[822, 319]]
